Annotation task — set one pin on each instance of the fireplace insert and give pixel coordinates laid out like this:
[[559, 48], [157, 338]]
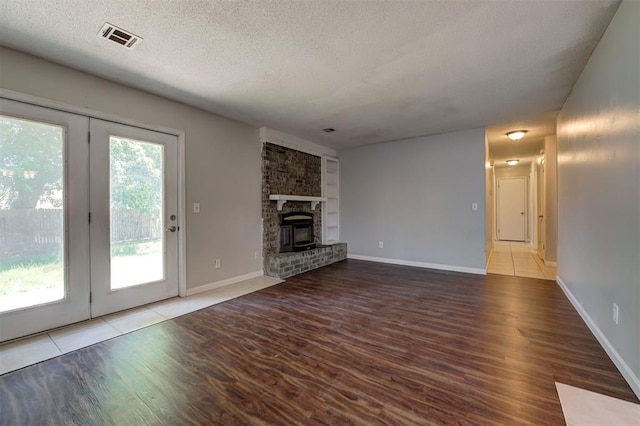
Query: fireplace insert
[[296, 232]]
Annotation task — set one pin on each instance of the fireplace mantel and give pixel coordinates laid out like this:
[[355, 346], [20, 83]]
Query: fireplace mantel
[[281, 199]]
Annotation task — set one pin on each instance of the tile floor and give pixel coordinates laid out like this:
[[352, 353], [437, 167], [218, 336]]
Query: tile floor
[[519, 259], [582, 407], [31, 350]]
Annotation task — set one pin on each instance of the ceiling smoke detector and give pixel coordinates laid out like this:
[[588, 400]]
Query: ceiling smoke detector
[[118, 35]]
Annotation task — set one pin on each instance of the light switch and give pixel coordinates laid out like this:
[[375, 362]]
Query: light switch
[[474, 206], [196, 207]]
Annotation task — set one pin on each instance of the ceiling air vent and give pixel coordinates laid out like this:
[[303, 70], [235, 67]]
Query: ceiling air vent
[[120, 36]]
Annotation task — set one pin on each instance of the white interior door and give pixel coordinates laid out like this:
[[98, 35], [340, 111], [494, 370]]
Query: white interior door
[[512, 219], [134, 224], [540, 213], [44, 228]]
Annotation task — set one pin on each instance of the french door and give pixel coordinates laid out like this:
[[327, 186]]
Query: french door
[[86, 229], [134, 222]]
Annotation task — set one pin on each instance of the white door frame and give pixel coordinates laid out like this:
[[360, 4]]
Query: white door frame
[[533, 184]]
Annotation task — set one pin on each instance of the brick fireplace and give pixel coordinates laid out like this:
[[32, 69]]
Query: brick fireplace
[[291, 172]]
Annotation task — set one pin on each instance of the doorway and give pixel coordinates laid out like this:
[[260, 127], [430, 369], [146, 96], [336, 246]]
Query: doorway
[[512, 209], [87, 228]]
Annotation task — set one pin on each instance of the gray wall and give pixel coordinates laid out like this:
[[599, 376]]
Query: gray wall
[[222, 160], [599, 187], [415, 195]]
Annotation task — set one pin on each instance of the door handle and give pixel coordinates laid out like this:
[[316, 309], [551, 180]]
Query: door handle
[[540, 217], [172, 229], [522, 213]]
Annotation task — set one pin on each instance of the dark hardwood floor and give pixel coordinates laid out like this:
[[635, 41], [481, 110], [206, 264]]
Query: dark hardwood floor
[[353, 343]]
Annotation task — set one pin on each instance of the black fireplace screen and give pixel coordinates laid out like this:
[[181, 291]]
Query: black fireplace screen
[[296, 232]]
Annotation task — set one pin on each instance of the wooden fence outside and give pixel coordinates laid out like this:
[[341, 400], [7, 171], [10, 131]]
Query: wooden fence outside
[[40, 230]]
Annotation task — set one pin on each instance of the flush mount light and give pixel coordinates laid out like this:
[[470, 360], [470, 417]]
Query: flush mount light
[[328, 130], [516, 135], [512, 162]]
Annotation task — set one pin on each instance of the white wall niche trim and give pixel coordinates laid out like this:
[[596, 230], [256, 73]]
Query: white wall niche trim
[[282, 199], [621, 365], [438, 266], [222, 283]]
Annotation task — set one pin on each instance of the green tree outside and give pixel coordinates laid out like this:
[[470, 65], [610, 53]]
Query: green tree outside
[[31, 164], [136, 176]]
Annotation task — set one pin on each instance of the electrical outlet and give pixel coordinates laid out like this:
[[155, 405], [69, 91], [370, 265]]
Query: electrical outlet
[[196, 207], [256, 254], [218, 263], [474, 206], [380, 244], [616, 314]]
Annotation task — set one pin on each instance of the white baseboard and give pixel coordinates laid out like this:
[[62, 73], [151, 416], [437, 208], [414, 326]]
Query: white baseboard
[[622, 366], [479, 271], [228, 281]]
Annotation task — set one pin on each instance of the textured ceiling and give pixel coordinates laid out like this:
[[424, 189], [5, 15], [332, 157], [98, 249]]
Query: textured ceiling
[[373, 70]]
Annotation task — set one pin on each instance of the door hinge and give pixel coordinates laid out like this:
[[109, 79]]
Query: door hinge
[[88, 137], [90, 297], [89, 217]]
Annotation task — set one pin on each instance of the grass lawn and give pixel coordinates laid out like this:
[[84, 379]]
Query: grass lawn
[[27, 282], [30, 284]]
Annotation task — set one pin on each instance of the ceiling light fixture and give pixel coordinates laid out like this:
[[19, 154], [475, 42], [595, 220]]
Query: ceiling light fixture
[[516, 135], [328, 130], [512, 162]]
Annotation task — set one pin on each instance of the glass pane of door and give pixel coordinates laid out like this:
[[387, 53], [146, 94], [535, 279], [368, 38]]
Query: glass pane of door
[[32, 261], [137, 206]]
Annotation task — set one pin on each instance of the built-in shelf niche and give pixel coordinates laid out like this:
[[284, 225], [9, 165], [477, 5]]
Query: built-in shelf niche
[[331, 210], [281, 199]]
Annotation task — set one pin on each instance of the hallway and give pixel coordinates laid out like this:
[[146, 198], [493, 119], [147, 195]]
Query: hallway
[[518, 259]]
